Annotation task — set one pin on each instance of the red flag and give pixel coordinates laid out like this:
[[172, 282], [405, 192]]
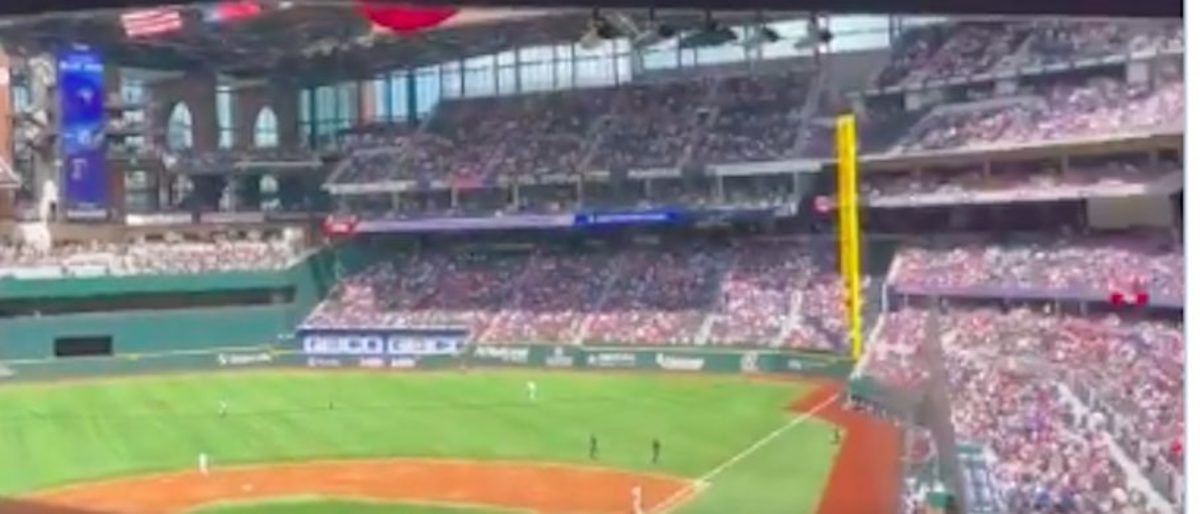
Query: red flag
[[404, 18]]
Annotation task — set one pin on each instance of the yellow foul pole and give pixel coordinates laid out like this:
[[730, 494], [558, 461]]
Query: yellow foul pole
[[848, 232]]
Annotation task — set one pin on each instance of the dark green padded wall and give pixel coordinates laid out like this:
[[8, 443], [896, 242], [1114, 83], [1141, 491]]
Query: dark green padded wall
[[150, 331]]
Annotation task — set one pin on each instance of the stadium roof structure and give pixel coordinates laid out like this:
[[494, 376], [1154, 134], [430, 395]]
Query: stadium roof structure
[[320, 42], [1138, 8]]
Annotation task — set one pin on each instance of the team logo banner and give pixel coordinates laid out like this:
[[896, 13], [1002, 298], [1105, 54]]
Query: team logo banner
[[81, 95]]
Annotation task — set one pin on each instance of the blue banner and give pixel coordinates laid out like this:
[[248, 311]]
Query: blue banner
[[382, 342], [648, 217], [81, 95]]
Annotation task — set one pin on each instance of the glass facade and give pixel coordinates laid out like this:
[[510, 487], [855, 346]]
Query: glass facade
[[410, 95]]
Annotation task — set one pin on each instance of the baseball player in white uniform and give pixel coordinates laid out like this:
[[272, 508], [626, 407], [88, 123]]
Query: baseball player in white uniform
[[223, 408], [531, 387], [202, 462]]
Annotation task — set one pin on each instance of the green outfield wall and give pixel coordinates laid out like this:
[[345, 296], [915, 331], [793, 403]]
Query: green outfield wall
[[548, 357], [165, 330]]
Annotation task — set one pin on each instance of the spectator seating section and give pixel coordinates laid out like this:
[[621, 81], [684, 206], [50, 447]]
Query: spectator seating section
[[153, 258]]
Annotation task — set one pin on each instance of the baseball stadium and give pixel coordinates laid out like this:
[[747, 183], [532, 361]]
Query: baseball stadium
[[351, 257]]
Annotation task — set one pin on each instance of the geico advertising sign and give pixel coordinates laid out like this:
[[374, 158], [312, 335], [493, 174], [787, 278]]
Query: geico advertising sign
[[380, 344]]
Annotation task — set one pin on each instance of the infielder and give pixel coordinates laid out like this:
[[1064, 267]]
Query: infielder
[[531, 387], [637, 499], [202, 462]]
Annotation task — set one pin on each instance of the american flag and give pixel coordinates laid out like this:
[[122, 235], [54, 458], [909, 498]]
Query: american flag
[[148, 22]]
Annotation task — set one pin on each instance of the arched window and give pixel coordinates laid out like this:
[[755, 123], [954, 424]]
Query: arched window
[[179, 128], [266, 129]]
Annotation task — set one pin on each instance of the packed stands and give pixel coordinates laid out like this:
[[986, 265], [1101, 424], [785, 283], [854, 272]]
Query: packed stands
[[1083, 267], [761, 116], [1008, 375], [660, 297], [1012, 182], [758, 118], [552, 133], [759, 293], [1065, 110], [896, 353], [146, 258], [948, 50], [745, 294], [652, 125], [553, 300]]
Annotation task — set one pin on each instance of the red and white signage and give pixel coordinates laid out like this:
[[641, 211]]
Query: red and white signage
[[336, 226], [149, 22]]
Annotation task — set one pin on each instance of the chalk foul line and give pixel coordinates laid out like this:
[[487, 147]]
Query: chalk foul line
[[704, 481]]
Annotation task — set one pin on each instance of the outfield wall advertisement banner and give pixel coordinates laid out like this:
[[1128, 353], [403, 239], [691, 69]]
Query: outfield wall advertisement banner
[[387, 351], [382, 343]]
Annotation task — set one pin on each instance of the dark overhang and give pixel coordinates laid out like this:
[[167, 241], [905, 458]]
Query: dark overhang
[[1131, 8]]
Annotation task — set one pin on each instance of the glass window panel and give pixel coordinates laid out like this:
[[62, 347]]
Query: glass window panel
[[624, 69], [537, 75], [480, 81], [266, 129], [726, 53], [224, 116], [399, 88], [452, 80], [179, 127], [305, 105], [480, 76], [593, 71], [687, 57], [536, 54], [656, 58], [428, 90], [563, 67], [858, 32], [506, 83], [381, 89]]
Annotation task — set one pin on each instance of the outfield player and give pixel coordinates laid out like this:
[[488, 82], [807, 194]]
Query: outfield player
[[637, 499], [202, 462], [531, 387], [655, 450], [223, 408], [593, 446]]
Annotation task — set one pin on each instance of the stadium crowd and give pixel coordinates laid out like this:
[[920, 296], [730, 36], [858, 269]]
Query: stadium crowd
[[1064, 110], [1008, 375], [1023, 181], [942, 51], [479, 141], [650, 295], [146, 258], [1084, 267]]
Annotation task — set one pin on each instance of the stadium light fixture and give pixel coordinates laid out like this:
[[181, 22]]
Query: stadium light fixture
[[654, 33], [599, 30], [815, 35], [760, 34], [711, 34]]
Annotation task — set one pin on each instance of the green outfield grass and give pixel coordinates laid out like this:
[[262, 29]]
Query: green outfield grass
[[59, 433], [326, 506]]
